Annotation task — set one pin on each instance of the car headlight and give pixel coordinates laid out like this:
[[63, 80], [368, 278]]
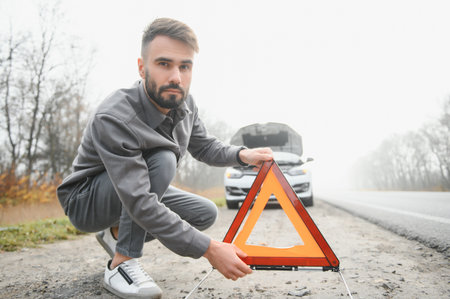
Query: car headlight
[[233, 173], [296, 171]]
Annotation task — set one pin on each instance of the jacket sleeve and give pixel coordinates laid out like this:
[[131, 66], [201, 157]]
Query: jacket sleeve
[[119, 149], [207, 148]]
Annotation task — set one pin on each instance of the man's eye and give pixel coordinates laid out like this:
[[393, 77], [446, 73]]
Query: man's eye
[[185, 67], [162, 63]]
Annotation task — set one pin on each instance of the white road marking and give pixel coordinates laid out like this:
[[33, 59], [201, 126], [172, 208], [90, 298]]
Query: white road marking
[[392, 210]]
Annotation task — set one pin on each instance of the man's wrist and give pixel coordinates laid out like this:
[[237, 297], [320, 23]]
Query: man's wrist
[[238, 158], [209, 251]]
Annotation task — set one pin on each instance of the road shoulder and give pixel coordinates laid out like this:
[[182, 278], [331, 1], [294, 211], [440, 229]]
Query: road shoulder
[[375, 262]]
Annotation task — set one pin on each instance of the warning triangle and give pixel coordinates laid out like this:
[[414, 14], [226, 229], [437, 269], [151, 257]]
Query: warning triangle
[[314, 252]]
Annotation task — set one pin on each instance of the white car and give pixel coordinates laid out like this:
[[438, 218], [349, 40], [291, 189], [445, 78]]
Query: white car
[[287, 147]]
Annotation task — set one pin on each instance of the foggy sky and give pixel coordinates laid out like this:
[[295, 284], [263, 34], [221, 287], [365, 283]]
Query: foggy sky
[[344, 74]]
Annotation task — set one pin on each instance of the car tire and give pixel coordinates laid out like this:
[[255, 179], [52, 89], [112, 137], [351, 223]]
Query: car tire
[[232, 205], [308, 201]]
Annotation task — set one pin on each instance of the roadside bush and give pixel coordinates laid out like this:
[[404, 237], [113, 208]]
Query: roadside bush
[[16, 190]]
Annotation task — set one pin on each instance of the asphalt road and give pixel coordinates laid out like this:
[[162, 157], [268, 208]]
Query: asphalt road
[[422, 216]]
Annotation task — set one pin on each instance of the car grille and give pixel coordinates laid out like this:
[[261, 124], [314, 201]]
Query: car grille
[[236, 191]]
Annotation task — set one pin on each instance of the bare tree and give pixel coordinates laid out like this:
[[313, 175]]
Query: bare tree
[[438, 136], [43, 96], [412, 161], [197, 175], [9, 59], [66, 118], [39, 68], [420, 162]]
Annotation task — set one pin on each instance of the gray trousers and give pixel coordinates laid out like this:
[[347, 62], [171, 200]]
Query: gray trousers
[[95, 206]]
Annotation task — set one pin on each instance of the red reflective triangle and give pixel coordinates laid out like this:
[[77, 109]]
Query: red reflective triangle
[[315, 251]]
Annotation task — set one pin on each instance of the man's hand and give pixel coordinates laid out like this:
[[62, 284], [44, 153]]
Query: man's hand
[[256, 156], [225, 258]]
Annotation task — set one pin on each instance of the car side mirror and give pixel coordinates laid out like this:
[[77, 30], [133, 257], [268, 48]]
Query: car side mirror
[[309, 159]]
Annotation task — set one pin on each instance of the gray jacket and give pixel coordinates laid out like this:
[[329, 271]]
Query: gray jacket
[[116, 138]]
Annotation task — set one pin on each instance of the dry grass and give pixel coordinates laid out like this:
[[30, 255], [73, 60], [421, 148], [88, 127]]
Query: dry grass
[[28, 212], [212, 193], [215, 194], [25, 212]]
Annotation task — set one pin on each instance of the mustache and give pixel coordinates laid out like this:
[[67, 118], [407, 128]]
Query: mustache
[[171, 86]]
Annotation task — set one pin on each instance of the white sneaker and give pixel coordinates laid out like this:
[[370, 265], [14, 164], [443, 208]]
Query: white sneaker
[[129, 280], [107, 240]]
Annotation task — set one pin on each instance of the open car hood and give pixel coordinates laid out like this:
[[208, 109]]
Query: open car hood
[[279, 137]]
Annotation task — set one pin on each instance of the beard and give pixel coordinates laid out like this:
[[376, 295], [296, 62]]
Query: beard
[[155, 93]]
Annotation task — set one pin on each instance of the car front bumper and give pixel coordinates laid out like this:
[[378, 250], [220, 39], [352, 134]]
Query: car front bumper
[[236, 189]]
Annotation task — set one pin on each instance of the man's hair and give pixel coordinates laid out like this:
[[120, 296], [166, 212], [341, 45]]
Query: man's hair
[[170, 28]]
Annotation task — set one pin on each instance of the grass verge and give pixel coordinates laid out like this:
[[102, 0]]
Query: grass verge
[[15, 237], [219, 201]]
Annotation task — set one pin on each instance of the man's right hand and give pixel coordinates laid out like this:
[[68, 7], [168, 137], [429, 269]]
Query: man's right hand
[[225, 258]]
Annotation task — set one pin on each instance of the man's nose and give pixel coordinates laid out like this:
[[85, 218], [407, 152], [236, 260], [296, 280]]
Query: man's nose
[[175, 76]]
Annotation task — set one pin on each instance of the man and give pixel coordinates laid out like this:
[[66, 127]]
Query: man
[[128, 157]]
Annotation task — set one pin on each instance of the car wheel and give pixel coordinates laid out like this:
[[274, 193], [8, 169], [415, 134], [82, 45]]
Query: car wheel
[[308, 201], [232, 204]]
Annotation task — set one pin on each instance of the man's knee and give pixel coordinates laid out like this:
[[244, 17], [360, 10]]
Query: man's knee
[[94, 206], [208, 217], [86, 224]]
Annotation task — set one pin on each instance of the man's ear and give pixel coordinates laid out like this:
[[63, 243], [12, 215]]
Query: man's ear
[[141, 67]]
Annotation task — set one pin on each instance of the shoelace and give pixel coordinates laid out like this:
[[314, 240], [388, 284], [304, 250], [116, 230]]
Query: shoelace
[[136, 272]]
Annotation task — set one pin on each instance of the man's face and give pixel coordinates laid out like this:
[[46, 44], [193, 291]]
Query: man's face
[[167, 71]]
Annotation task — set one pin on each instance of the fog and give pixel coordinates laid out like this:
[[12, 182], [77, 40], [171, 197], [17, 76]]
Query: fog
[[344, 74]]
